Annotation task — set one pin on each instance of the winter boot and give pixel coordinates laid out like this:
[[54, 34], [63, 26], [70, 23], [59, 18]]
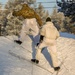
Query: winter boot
[[18, 41], [56, 68], [35, 61]]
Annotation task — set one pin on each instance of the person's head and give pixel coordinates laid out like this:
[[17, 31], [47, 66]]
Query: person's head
[[48, 19]]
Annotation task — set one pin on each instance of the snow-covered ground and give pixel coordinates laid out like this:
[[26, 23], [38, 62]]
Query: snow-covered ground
[[13, 57]]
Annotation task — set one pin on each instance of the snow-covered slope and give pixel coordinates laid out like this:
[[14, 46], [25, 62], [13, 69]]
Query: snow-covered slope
[[12, 57]]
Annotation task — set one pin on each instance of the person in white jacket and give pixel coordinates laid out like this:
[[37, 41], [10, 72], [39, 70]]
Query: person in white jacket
[[32, 22], [49, 34], [30, 27]]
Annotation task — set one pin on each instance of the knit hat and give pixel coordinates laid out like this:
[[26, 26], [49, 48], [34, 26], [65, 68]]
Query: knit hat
[[48, 19]]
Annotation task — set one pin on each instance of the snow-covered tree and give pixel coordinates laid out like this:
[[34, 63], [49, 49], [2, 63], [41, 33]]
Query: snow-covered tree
[[58, 18], [0, 18], [14, 24], [3, 20], [68, 8], [70, 27], [42, 12]]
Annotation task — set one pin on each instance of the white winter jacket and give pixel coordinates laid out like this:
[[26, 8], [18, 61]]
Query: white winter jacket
[[30, 24], [49, 31]]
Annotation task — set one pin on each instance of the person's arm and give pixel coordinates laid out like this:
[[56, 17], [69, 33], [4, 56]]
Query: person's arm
[[41, 39], [41, 36], [42, 33]]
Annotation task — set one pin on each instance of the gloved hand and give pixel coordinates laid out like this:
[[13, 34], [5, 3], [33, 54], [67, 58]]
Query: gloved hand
[[37, 44], [41, 38]]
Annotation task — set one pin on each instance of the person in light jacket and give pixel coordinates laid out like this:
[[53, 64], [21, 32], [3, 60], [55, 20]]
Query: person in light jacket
[[49, 34], [30, 27], [31, 24]]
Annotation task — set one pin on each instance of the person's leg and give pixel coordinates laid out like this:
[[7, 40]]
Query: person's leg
[[23, 33], [53, 52], [21, 38], [34, 30], [33, 47], [36, 39], [38, 52]]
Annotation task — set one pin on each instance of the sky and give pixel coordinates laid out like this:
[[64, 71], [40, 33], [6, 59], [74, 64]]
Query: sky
[[48, 4], [44, 4], [3, 1]]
